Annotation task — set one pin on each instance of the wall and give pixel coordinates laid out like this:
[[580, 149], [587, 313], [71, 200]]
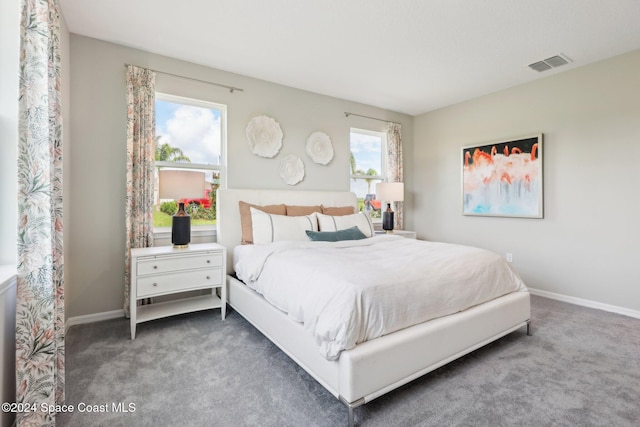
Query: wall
[[7, 341], [9, 55], [586, 245], [95, 256]]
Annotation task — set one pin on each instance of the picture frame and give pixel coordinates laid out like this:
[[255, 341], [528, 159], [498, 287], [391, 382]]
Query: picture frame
[[504, 178]]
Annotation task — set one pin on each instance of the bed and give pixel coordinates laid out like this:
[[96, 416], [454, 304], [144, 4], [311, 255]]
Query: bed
[[396, 357]]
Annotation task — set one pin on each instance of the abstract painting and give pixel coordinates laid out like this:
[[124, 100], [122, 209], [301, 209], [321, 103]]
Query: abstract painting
[[503, 178]]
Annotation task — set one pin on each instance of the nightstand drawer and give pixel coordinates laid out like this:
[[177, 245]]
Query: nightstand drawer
[[176, 282], [176, 263]]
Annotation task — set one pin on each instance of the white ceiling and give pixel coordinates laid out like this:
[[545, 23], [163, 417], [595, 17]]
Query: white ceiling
[[410, 56]]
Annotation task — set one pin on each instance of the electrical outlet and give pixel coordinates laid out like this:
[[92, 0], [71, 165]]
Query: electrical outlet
[[509, 257]]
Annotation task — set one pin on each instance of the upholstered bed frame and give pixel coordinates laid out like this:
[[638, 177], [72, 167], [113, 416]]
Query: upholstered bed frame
[[372, 368]]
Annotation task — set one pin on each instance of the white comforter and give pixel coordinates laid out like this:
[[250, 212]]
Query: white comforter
[[349, 292]]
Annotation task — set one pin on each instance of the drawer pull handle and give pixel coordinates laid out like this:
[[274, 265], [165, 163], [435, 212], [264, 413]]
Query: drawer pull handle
[[155, 284], [208, 277], [208, 261], [155, 267]]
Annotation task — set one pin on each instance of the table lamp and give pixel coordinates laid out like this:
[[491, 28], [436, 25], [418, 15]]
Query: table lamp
[[177, 185], [389, 192]]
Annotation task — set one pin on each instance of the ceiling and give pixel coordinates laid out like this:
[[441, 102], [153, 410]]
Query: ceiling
[[410, 56]]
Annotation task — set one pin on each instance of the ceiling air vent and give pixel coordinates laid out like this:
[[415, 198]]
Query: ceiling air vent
[[540, 66], [552, 62]]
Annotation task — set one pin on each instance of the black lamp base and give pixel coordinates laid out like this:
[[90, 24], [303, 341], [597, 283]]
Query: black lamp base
[[388, 219], [181, 228]]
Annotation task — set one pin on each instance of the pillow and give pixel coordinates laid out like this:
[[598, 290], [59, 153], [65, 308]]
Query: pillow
[[302, 210], [245, 218], [269, 228], [335, 223], [338, 210], [352, 233]]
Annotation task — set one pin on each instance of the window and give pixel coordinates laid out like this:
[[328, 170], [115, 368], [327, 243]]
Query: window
[[367, 168], [190, 137]]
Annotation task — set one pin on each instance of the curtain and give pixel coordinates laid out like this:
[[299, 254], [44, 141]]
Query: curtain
[[141, 128], [394, 166], [40, 295]]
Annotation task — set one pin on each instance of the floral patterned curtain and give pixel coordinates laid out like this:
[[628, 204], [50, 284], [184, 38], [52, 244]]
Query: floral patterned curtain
[[394, 166], [141, 128], [40, 294]]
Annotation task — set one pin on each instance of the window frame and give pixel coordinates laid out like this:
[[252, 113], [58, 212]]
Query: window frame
[[221, 168]]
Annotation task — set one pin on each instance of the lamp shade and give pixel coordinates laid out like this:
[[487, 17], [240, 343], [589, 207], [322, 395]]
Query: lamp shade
[[181, 184], [390, 191]]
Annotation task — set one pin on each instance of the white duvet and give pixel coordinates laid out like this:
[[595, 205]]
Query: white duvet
[[349, 292]]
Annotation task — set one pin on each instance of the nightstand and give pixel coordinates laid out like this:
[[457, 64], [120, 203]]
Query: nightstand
[[164, 270], [404, 233]]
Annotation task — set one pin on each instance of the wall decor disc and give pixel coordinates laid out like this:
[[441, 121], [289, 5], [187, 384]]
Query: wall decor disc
[[319, 148], [291, 169], [265, 136]]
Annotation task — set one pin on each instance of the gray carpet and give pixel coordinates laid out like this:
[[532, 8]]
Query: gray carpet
[[581, 367]]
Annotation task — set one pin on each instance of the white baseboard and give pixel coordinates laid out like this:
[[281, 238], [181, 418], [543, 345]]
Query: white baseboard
[[90, 318], [115, 314], [586, 303]]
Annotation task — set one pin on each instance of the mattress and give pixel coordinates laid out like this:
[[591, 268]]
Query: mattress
[[348, 292]]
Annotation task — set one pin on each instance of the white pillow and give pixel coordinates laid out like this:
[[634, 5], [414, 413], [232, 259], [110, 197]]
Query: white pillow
[[335, 223], [272, 228]]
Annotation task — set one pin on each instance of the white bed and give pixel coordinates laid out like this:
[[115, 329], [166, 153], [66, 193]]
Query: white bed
[[396, 358]]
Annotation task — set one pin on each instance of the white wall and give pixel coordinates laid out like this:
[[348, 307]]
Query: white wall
[[95, 256], [586, 245], [9, 55]]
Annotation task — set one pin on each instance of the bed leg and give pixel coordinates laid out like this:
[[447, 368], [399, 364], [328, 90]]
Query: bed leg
[[528, 327], [351, 407], [351, 417]]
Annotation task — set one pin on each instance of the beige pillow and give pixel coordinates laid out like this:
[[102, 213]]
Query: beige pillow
[[302, 210], [338, 210], [245, 218]]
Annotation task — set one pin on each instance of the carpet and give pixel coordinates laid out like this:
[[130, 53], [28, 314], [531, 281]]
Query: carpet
[[580, 367]]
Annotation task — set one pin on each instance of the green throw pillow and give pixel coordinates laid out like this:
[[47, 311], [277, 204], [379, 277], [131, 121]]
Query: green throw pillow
[[352, 233]]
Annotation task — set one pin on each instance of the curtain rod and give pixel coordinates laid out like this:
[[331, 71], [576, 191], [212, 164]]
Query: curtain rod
[[231, 88], [347, 114]]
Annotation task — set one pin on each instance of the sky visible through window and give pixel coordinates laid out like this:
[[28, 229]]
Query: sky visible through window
[[195, 130], [367, 150]]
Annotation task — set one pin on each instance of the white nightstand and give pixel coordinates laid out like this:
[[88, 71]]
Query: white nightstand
[[404, 233], [163, 270]]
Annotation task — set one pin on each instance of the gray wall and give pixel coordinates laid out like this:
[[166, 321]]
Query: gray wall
[[95, 255], [586, 245]]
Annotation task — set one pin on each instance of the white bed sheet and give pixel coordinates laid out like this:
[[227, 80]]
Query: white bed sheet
[[349, 292]]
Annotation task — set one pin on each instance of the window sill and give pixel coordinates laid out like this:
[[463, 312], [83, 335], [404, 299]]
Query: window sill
[[7, 277], [201, 231]]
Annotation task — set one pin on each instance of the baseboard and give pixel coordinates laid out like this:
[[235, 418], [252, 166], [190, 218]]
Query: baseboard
[[115, 314], [90, 318], [586, 303]]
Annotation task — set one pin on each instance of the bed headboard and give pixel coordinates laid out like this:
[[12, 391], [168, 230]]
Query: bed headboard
[[228, 213]]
